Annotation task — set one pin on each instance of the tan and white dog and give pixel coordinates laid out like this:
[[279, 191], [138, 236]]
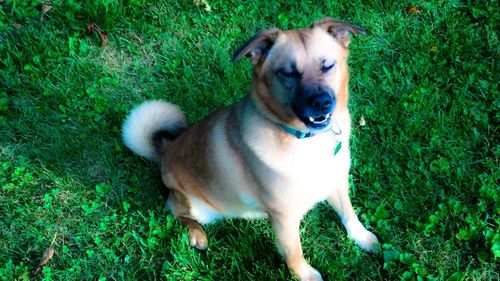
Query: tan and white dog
[[275, 154]]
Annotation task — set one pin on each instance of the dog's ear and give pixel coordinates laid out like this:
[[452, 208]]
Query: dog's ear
[[257, 47], [339, 29]]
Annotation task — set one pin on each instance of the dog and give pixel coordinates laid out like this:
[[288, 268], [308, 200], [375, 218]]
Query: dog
[[276, 153]]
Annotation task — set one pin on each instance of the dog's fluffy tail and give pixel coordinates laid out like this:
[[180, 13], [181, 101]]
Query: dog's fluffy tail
[[150, 126]]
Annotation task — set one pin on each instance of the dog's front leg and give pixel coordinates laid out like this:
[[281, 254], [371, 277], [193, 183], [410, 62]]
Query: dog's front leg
[[286, 229], [341, 202]]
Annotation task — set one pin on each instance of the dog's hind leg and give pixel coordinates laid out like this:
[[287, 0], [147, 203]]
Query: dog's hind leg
[[179, 205], [286, 229], [341, 202]]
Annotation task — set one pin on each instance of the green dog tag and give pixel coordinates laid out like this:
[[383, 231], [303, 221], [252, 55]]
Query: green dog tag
[[337, 148]]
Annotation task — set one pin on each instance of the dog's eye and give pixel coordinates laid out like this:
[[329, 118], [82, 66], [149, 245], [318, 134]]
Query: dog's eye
[[289, 74], [327, 68]]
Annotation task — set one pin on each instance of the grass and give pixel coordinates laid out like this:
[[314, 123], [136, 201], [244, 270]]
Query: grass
[[425, 162]]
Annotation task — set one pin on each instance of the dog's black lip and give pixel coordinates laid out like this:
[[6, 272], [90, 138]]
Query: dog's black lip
[[311, 125]]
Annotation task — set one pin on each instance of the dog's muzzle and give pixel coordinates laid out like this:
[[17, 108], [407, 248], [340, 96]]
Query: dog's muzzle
[[316, 111]]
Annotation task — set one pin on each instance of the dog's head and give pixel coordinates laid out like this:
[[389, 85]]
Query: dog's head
[[300, 75]]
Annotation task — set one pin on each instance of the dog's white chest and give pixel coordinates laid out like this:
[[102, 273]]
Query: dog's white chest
[[311, 179], [307, 171]]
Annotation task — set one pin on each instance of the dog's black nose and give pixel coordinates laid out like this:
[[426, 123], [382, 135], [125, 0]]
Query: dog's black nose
[[321, 103]]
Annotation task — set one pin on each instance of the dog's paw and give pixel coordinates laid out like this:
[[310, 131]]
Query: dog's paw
[[198, 238], [363, 238], [311, 274], [368, 242]]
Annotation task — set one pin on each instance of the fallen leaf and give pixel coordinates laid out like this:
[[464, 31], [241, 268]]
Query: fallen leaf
[[434, 49], [91, 27], [104, 38], [47, 255], [203, 3], [413, 9], [362, 121], [46, 7], [17, 26]]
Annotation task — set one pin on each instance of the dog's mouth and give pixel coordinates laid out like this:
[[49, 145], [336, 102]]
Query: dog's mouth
[[318, 122]]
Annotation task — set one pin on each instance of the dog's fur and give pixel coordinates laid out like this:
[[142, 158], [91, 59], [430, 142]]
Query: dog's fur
[[245, 161]]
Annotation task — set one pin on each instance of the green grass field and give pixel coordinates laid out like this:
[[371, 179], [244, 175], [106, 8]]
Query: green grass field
[[425, 174]]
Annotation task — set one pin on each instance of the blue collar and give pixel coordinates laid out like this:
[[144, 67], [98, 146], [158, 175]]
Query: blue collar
[[297, 133], [302, 135]]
